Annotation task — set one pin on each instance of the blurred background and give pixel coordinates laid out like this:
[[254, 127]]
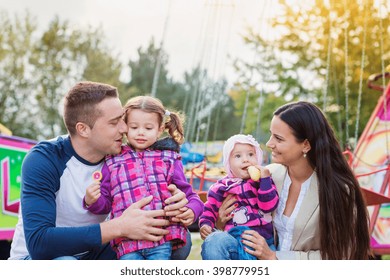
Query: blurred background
[[226, 64]]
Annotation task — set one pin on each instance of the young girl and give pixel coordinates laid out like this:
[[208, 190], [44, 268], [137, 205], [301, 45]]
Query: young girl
[[255, 200], [146, 167]]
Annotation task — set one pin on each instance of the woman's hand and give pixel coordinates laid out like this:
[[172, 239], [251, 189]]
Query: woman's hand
[[261, 250], [225, 211]]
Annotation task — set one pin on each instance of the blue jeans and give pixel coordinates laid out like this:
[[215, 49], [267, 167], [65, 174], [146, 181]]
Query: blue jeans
[[220, 245], [106, 253], [183, 252], [162, 252]]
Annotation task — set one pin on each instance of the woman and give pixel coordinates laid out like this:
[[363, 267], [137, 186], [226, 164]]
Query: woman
[[322, 213]]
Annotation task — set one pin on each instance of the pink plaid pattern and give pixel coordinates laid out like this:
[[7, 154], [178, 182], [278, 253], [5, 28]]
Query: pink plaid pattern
[[135, 176], [254, 200]]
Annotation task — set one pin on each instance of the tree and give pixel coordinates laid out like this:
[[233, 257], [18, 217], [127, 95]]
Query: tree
[[142, 70], [100, 63], [16, 101], [36, 71], [263, 85], [320, 51], [56, 71], [198, 97], [170, 93], [64, 56], [209, 109]]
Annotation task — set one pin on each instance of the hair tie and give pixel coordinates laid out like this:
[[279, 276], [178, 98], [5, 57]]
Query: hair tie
[[167, 113]]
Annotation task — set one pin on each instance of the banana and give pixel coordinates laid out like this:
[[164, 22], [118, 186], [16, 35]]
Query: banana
[[254, 173]]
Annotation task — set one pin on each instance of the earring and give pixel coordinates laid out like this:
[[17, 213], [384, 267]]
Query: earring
[[304, 154]]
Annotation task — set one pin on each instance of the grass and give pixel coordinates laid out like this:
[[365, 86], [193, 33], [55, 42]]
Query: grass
[[196, 246]]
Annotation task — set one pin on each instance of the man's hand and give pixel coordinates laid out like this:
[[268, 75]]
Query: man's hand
[[136, 224], [92, 193], [174, 203]]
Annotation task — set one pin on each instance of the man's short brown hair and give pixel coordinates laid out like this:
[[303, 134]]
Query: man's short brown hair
[[80, 103]]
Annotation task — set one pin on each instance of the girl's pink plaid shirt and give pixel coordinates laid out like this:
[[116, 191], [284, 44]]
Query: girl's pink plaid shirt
[[135, 175]]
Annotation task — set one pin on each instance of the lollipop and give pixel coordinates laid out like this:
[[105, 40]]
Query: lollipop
[[97, 175]]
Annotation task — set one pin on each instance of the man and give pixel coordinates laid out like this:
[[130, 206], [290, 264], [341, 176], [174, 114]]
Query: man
[[52, 222]]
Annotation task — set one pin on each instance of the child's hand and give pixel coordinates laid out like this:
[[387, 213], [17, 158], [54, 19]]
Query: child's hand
[[92, 193], [204, 231], [187, 217], [264, 171]]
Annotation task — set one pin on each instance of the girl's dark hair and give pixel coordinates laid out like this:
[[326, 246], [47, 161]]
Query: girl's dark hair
[[344, 219], [172, 121]]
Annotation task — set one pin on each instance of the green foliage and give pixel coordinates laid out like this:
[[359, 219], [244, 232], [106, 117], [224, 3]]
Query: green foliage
[[171, 93], [100, 64], [142, 69], [16, 102], [192, 97], [52, 59], [318, 57], [37, 68]]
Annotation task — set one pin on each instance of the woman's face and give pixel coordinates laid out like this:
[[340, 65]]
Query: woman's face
[[283, 144]]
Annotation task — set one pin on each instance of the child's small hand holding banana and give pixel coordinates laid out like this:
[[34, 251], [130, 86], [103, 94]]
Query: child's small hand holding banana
[[257, 172]]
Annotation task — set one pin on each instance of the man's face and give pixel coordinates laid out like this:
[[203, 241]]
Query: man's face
[[107, 132]]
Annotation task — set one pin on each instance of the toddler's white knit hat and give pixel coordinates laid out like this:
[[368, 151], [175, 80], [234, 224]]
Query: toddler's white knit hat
[[243, 139]]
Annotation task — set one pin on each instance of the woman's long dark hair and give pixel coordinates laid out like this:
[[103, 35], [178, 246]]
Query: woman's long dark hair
[[344, 219]]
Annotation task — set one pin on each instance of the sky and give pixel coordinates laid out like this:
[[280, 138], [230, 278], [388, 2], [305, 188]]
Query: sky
[[192, 32]]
